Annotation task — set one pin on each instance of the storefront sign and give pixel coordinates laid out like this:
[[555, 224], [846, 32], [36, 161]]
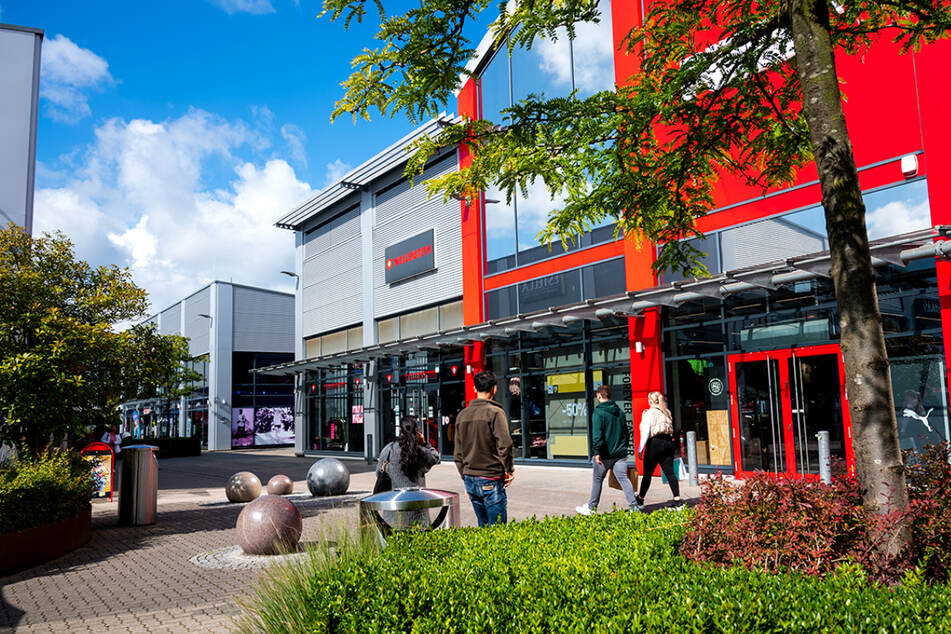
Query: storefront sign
[[410, 257], [715, 386]]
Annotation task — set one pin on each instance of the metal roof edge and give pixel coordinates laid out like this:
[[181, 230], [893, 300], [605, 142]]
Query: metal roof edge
[[385, 160], [23, 29]]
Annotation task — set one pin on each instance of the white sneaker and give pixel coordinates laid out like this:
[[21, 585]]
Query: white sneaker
[[584, 509]]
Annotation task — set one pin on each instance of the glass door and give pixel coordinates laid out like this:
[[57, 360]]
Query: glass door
[[780, 400]]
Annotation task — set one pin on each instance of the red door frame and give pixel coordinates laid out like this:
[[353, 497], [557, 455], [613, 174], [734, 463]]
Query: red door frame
[[783, 355]]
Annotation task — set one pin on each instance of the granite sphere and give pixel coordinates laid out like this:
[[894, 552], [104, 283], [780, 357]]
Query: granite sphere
[[268, 526], [280, 485], [328, 476], [243, 486]]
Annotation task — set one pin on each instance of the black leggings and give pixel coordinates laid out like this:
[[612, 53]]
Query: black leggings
[[659, 451]]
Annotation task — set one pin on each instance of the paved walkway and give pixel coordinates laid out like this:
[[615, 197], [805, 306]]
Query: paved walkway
[[140, 579]]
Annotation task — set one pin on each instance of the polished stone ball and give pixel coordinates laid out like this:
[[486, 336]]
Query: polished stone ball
[[328, 476], [268, 526], [280, 485], [243, 486]]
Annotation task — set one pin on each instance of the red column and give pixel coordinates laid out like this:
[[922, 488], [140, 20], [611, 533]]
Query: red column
[[934, 96], [472, 258]]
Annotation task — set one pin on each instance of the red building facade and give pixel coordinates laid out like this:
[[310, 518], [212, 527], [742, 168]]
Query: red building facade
[[754, 372]]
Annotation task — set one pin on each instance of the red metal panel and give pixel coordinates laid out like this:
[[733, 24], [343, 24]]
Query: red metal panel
[[934, 96], [554, 265]]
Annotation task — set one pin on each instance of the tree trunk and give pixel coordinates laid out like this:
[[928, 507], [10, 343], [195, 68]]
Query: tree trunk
[[878, 459]]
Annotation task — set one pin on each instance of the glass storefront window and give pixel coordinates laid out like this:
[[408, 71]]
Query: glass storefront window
[[699, 400]]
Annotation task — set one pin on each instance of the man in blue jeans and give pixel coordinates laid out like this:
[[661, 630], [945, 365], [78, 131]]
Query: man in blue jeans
[[484, 453]]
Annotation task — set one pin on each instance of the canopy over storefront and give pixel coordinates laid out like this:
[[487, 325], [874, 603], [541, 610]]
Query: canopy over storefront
[[897, 250]]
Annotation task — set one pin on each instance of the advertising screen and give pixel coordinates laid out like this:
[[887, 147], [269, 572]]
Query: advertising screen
[[242, 427], [273, 426]]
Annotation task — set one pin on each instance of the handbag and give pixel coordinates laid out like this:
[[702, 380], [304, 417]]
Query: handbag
[[631, 475], [383, 481]]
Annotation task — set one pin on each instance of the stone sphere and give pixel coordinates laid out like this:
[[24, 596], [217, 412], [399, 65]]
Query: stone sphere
[[328, 476], [280, 485], [243, 486], [268, 526]]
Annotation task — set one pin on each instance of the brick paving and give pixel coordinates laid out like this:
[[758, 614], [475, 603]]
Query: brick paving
[[140, 579]]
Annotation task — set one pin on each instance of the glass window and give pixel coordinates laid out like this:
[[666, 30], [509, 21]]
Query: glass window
[[495, 87], [545, 69], [388, 330], [500, 303], [708, 245], [499, 231], [312, 347], [333, 343], [896, 210], [450, 316], [553, 290], [355, 338], [422, 322], [604, 279], [593, 54], [699, 400]]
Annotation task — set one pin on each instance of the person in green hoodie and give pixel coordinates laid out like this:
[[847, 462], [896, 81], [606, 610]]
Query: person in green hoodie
[[610, 442]]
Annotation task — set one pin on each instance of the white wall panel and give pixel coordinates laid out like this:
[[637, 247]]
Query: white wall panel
[[197, 329], [171, 321], [404, 215], [760, 242], [263, 321]]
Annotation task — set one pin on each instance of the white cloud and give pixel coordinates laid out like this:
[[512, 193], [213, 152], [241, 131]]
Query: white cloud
[[336, 171], [897, 217], [138, 197], [255, 7], [295, 138], [68, 72]]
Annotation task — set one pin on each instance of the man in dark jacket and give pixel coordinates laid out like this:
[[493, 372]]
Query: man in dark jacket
[[609, 438], [483, 452]]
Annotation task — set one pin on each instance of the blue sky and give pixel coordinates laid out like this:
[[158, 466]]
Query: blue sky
[[173, 134]]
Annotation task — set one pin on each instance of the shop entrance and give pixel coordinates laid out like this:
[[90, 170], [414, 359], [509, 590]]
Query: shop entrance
[[435, 404], [780, 400]]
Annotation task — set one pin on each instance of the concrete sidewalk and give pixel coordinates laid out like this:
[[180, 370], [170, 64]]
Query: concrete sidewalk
[[141, 579]]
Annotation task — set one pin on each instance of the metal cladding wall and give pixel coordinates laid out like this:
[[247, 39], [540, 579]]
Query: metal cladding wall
[[197, 329], [263, 321], [331, 295], [170, 321], [19, 92], [403, 212]]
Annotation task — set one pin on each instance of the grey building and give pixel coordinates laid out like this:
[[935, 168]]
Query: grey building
[[231, 330], [19, 98], [378, 262]]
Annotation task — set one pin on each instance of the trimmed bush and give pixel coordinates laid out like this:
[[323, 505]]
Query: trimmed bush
[[55, 486], [618, 572], [929, 493]]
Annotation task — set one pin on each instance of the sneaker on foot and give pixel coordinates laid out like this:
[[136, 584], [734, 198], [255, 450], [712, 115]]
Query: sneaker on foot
[[584, 509], [677, 504]]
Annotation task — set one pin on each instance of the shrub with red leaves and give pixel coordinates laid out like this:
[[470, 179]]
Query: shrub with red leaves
[[782, 524], [929, 493]]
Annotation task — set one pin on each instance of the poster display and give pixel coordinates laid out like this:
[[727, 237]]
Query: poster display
[[242, 427], [103, 459], [273, 426]]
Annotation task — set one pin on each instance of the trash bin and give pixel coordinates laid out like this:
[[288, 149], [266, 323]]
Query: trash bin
[[138, 485], [408, 500]]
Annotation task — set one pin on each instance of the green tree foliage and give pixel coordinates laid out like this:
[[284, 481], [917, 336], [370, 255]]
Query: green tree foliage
[[63, 366], [724, 86]]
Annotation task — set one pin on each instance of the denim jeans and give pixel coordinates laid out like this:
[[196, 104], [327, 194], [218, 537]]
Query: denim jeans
[[619, 467], [488, 499]]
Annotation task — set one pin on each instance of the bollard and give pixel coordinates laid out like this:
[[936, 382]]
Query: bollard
[[368, 449], [825, 462], [692, 458]]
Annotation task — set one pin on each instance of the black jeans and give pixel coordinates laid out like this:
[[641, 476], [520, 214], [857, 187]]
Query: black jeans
[[659, 451]]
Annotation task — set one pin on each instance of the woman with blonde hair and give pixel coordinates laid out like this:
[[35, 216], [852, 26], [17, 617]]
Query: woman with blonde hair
[[657, 446]]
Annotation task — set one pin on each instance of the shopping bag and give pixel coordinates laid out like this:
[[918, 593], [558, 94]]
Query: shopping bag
[[631, 475], [680, 469]]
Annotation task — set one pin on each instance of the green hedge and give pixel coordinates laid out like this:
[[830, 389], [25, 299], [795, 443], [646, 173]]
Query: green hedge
[[616, 572], [50, 488]]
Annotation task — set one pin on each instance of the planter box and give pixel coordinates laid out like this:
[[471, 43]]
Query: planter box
[[30, 547]]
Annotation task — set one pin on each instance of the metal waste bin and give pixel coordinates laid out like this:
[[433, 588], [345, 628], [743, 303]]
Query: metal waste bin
[[407, 501], [138, 485]]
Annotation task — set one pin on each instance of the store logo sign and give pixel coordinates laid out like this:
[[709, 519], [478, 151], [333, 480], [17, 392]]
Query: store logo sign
[[410, 257]]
